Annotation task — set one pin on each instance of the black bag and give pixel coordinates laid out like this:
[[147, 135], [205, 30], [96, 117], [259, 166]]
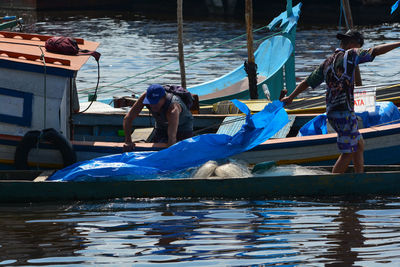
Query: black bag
[[62, 45], [67, 46], [184, 94]]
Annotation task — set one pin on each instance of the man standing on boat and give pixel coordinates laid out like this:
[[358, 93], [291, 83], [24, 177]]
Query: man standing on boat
[[338, 73], [174, 121]]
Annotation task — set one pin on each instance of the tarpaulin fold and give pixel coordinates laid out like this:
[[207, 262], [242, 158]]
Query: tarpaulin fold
[[385, 112]]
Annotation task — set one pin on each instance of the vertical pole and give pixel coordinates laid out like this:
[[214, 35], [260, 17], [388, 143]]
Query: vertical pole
[[250, 65], [289, 69], [180, 43], [349, 18], [347, 12], [289, 8]]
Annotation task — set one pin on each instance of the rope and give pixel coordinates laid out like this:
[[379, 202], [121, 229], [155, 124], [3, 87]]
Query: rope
[[189, 65], [386, 123], [381, 75], [45, 87], [174, 61], [95, 91]]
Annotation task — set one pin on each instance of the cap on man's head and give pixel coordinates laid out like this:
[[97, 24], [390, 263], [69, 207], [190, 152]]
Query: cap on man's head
[[351, 35], [153, 94]]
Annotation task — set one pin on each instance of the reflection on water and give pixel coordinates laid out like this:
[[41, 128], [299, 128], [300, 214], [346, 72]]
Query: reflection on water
[[174, 232]]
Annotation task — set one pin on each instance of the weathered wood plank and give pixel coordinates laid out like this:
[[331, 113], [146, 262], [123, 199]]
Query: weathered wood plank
[[44, 176]]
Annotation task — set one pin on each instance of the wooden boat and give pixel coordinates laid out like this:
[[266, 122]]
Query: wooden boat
[[9, 22], [37, 89], [31, 186], [272, 55], [381, 146], [384, 92], [382, 143]]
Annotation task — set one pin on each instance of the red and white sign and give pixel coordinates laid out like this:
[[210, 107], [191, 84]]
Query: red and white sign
[[364, 99]]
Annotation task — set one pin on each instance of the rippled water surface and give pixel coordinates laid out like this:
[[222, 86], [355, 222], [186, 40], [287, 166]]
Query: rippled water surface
[[176, 232], [134, 47], [198, 232]]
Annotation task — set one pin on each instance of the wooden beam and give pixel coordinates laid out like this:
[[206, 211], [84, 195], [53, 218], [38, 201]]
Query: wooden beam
[[36, 58], [44, 176], [32, 37], [251, 66], [180, 43], [347, 13], [349, 19]]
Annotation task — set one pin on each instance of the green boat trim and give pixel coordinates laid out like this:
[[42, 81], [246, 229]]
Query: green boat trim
[[9, 24], [31, 186]]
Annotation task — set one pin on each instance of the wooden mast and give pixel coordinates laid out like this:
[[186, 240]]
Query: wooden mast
[[180, 43], [250, 64], [350, 25]]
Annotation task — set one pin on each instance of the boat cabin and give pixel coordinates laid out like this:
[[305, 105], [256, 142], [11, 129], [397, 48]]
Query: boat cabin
[[37, 88]]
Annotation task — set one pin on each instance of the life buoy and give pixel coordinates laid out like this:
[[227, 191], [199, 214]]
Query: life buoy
[[31, 139]]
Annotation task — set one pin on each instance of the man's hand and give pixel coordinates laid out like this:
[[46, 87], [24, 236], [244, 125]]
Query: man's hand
[[287, 100], [128, 147]]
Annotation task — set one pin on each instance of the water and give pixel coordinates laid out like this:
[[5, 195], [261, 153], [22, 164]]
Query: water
[[132, 44], [198, 232], [183, 232]]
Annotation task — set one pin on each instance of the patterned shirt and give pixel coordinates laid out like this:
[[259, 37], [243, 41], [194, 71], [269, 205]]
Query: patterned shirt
[[338, 73]]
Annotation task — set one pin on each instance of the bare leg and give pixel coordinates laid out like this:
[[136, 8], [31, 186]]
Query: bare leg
[[342, 163], [358, 157]]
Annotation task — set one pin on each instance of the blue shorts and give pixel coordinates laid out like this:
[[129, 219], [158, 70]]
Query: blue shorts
[[345, 124]]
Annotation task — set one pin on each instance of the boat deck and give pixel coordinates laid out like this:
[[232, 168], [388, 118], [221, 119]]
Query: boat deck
[[33, 47]]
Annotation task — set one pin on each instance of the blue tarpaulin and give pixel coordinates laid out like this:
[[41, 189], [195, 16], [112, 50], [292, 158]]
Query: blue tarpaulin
[[185, 154], [385, 112], [395, 6]]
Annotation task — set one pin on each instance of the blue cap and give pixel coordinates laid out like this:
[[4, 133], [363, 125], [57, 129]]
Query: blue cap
[[153, 94]]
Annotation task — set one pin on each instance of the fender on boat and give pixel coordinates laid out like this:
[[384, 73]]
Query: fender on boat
[[31, 140]]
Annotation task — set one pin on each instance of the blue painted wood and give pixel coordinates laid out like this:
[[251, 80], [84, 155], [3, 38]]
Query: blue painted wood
[[287, 22], [5, 63], [270, 57], [26, 119]]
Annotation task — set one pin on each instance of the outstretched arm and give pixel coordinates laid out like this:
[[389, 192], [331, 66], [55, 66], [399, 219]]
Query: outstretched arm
[[128, 119], [299, 89], [384, 48]]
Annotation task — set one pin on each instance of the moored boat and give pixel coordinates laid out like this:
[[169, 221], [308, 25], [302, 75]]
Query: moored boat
[[31, 186], [275, 65]]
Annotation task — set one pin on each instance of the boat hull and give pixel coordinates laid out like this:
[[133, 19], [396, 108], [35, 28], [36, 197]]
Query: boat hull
[[381, 147], [378, 182]]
